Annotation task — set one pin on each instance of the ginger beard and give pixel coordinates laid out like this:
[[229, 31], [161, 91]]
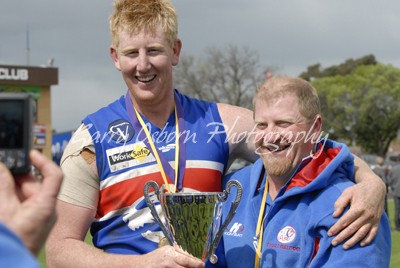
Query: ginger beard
[[276, 167], [277, 158]]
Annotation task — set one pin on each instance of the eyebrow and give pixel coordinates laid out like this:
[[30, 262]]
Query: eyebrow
[[156, 45], [128, 49], [131, 48]]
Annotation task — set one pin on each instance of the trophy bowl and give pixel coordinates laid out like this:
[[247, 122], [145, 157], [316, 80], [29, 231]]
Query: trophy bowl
[[193, 220]]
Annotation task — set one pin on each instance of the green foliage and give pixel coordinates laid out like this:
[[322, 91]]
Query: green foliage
[[346, 68], [363, 107], [379, 119]]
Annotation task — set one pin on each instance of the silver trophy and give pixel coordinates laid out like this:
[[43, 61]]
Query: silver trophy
[[193, 220]]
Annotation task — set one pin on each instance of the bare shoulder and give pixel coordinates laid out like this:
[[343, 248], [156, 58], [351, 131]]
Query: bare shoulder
[[239, 126], [232, 115]]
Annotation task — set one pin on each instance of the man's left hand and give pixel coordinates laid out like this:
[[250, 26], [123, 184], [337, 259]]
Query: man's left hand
[[361, 222]]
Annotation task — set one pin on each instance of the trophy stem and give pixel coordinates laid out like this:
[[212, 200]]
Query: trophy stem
[[232, 211], [154, 185]]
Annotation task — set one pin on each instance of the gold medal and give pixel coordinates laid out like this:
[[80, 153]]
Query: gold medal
[[163, 242]]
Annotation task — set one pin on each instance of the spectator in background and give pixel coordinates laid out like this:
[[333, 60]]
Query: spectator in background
[[381, 170], [394, 184]]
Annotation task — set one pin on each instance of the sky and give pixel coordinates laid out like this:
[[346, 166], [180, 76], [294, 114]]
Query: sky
[[287, 34]]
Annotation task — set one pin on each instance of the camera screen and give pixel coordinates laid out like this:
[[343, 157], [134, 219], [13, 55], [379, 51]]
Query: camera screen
[[11, 124]]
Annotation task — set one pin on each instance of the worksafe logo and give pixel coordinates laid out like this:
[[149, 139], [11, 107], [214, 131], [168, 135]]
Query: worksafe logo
[[236, 229], [130, 155], [120, 157], [140, 153]]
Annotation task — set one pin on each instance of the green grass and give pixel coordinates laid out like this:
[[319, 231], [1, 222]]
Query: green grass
[[394, 261], [395, 258]]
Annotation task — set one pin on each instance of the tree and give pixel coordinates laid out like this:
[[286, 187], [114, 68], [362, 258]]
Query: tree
[[346, 68], [362, 107], [379, 119], [230, 75]]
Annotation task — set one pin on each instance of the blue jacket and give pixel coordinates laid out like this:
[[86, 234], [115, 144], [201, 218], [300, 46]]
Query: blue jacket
[[13, 252], [297, 221]]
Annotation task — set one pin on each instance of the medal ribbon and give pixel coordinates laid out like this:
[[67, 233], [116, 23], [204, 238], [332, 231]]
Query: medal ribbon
[[180, 150], [260, 226]]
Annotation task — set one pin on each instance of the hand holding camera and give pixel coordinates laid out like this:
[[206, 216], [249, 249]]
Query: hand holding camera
[[27, 204]]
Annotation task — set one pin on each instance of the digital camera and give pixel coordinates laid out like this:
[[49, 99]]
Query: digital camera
[[16, 116]]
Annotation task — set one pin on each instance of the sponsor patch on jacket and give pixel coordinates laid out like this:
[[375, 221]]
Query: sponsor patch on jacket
[[130, 155], [121, 131], [286, 234], [236, 229]]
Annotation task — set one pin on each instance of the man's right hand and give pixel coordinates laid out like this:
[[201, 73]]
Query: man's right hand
[[169, 256], [27, 204]]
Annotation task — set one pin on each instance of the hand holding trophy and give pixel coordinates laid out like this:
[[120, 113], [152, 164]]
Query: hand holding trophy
[[193, 220]]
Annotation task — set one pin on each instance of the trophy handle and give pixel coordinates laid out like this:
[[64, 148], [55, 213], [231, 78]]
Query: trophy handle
[[154, 185], [232, 211]]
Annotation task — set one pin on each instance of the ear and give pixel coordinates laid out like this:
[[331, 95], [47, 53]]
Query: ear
[[114, 56], [177, 51], [317, 128]]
